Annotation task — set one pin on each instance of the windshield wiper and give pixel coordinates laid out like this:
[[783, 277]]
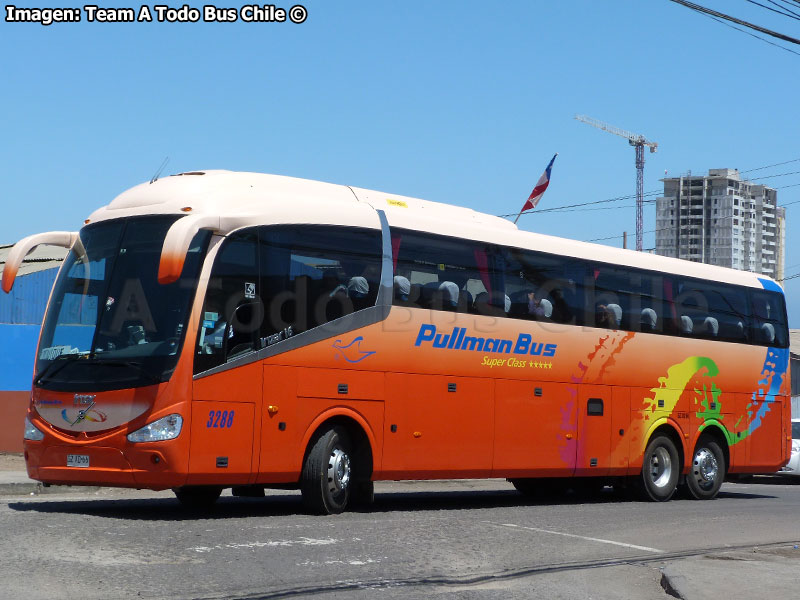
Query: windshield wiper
[[125, 363], [59, 361]]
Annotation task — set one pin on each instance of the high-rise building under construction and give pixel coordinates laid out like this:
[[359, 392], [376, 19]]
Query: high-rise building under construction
[[720, 219]]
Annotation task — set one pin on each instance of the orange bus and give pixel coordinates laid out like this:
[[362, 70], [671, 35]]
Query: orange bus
[[217, 330]]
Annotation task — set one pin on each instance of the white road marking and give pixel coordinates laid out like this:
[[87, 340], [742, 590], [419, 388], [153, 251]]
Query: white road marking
[[581, 537], [303, 541]]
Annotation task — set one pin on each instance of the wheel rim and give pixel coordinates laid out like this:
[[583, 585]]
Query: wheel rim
[[705, 468], [338, 471], [660, 467]]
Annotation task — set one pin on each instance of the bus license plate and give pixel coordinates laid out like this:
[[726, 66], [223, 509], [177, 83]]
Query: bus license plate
[[77, 460]]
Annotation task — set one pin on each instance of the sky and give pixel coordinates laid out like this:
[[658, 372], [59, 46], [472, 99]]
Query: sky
[[462, 102]]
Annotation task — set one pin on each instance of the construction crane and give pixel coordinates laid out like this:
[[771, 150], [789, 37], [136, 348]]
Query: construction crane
[[639, 142]]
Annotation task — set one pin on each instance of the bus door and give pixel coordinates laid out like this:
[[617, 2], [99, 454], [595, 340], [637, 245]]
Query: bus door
[[222, 423], [535, 429], [595, 413], [225, 403], [438, 425]]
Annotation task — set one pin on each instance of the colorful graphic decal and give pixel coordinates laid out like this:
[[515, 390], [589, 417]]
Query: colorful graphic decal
[[352, 352], [93, 415], [597, 363], [696, 376], [690, 388], [773, 373]]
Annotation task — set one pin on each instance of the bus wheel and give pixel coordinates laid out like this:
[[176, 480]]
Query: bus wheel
[[707, 472], [660, 470], [196, 497], [326, 478]]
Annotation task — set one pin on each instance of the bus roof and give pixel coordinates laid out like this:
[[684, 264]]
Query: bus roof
[[257, 198]]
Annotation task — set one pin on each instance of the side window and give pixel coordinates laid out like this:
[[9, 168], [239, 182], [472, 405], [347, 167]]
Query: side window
[[769, 325], [233, 309], [717, 311], [443, 273], [626, 299], [544, 288], [311, 275]]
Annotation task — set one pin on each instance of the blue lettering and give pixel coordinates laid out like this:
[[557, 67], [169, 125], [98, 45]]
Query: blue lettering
[[523, 343], [441, 340], [503, 346], [470, 343], [458, 340], [426, 333]]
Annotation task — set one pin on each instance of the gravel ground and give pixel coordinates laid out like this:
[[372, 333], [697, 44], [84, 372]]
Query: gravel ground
[[11, 461]]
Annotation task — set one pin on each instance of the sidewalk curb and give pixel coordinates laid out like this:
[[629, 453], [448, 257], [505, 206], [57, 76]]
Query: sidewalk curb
[[37, 488]]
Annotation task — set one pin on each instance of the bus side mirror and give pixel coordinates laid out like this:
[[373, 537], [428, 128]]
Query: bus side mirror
[[65, 239], [176, 245], [179, 236]]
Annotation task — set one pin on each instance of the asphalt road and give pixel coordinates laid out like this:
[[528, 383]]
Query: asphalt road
[[455, 539]]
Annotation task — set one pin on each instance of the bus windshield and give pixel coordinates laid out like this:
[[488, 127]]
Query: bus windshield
[[103, 330]]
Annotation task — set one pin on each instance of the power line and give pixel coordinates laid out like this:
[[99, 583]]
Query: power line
[[769, 166], [559, 208], [758, 37], [784, 7], [784, 12], [778, 175], [714, 13], [617, 237]]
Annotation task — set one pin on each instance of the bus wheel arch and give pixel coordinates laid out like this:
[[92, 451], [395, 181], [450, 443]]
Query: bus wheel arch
[[662, 464], [708, 465], [337, 466]]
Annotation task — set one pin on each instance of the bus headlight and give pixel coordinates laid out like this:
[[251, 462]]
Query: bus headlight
[[166, 428], [31, 432]]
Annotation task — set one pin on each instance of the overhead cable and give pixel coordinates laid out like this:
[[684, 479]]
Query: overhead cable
[[714, 13]]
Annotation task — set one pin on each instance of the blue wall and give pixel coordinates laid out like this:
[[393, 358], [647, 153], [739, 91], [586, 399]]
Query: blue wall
[[21, 314], [28, 298], [18, 344]]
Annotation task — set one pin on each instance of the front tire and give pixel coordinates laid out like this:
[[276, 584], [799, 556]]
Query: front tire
[[660, 470], [707, 471], [326, 482]]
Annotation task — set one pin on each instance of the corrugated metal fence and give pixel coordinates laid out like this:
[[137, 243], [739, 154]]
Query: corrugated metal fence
[[27, 301]]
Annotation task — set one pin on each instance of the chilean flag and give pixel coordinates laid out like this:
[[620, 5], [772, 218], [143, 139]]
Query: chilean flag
[[541, 186]]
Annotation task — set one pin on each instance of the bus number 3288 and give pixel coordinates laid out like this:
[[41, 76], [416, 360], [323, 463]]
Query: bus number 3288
[[220, 419]]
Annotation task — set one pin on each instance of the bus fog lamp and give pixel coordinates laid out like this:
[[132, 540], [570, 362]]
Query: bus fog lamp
[[32, 432], [165, 428]]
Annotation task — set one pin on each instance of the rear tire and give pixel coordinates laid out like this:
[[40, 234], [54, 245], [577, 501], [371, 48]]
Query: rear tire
[[660, 470], [197, 497], [707, 471], [326, 482]]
